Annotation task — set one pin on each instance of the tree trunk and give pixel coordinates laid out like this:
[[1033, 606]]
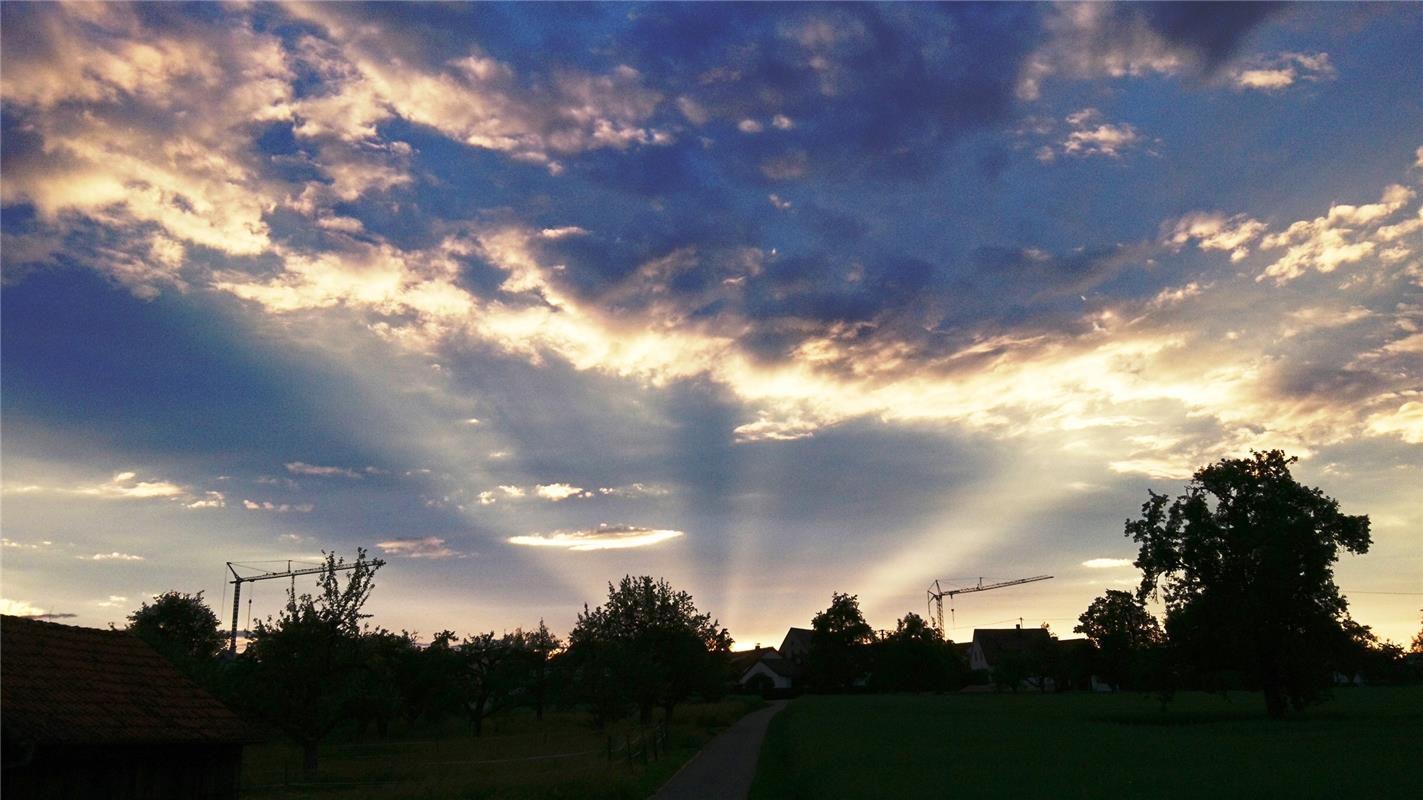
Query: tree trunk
[[309, 753]]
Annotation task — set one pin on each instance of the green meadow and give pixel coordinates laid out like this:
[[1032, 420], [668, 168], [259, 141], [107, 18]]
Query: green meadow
[[1362, 743], [517, 758]]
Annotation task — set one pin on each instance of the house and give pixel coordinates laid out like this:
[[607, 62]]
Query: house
[[778, 670], [95, 713], [992, 645], [796, 646]]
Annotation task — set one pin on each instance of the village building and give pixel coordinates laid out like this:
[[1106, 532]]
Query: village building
[[99, 713]]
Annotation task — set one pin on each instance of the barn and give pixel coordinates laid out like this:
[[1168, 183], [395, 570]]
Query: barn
[[93, 713]]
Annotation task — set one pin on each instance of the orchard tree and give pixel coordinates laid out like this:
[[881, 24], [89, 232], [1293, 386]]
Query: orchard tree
[[839, 644], [648, 645], [1245, 563], [1123, 631], [181, 627], [309, 662]]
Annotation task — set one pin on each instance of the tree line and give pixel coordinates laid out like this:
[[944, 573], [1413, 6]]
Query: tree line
[[1241, 563], [317, 665]]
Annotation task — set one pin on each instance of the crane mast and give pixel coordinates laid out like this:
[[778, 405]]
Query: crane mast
[[238, 580], [937, 594]]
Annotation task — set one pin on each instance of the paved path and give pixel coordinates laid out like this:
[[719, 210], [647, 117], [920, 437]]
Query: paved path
[[724, 768]]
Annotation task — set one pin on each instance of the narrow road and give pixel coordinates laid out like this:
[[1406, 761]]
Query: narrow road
[[724, 768]]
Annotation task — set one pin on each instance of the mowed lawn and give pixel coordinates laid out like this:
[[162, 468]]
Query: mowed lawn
[[1363, 743], [563, 756]]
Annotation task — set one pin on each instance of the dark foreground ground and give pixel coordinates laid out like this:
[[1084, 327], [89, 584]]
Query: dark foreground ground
[[517, 758], [1363, 743]]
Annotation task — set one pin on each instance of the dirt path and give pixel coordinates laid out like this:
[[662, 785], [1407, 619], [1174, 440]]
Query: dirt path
[[724, 768]]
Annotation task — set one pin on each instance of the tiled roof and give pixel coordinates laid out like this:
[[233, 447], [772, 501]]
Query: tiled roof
[[997, 642], [65, 685]]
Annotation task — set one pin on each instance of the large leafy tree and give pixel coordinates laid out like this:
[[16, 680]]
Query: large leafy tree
[[1123, 631], [311, 660], [648, 644], [839, 644], [180, 626], [1245, 563], [915, 658]]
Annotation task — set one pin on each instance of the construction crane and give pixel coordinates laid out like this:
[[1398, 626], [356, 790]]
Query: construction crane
[[937, 595], [238, 580]]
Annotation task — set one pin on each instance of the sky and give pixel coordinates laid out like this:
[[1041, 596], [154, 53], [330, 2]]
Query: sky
[[773, 301]]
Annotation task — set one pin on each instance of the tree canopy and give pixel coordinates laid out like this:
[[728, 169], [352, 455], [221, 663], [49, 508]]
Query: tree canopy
[[1123, 631], [839, 642], [180, 626], [1244, 562], [310, 661], [648, 644]]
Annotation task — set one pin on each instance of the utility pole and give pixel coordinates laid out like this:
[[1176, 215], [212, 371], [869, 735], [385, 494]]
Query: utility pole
[[238, 580], [937, 595]]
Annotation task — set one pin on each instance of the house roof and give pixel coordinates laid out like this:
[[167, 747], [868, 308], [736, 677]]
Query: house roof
[[783, 667], [743, 659], [67, 685], [997, 642], [796, 638]]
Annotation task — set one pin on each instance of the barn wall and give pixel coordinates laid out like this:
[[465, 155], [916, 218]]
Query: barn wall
[[151, 772]]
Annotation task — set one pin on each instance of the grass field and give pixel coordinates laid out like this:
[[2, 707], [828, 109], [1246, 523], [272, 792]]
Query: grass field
[[517, 758], [1363, 743]]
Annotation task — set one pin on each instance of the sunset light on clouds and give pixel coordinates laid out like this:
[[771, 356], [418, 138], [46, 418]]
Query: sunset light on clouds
[[768, 300]]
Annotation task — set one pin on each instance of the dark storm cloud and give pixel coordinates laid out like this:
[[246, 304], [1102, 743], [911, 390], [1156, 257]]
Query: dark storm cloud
[[875, 90], [1213, 31]]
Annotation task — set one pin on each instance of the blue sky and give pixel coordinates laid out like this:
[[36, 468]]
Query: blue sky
[[773, 301]]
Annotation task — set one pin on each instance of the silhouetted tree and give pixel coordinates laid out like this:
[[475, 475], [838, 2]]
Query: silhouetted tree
[[915, 658], [489, 674], [377, 696], [648, 645], [1122, 630], [180, 626], [839, 644], [429, 678], [308, 662], [1244, 560], [1417, 645], [535, 651]]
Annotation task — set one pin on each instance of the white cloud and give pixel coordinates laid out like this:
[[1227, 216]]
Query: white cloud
[[299, 468], [113, 602], [1215, 231], [603, 537], [781, 122], [750, 126], [12, 544], [511, 490], [635, 490], [1089, 40], [563, 232], [1283, 70], [209, 500], [1107, 563], [431, 547], [557, 491], [279, 508], [778, 202], [1347, 234], [122, 486], [19, 608], [113, 556], [1090, 135]]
